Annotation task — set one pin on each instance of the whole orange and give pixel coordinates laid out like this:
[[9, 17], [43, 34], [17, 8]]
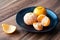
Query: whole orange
[[39, 10]]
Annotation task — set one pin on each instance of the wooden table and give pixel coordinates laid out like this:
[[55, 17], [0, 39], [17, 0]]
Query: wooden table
[[9, 9]]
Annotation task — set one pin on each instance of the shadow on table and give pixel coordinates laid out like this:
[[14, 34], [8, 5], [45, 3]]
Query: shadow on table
[[48, 35], [53, 32]]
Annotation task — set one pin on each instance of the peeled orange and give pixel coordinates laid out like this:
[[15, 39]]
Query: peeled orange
[[30, 18], [37, 26], [45, 21]]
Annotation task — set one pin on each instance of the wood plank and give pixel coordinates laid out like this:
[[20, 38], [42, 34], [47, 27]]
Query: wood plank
[[36, 36], [57, 35], [7, 12], [4, 3], [27, 36], [40, 36], [58, 12]]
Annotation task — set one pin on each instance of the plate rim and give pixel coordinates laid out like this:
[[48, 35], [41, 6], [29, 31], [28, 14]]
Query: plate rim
[[38, 31]]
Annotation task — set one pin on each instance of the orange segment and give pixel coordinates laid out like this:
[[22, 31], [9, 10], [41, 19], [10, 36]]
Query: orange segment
[[37, 26], [40, 17], [8, 28], [39, 10], [45, 22]]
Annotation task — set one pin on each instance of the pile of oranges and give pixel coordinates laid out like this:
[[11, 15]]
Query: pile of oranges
[[37, 18]]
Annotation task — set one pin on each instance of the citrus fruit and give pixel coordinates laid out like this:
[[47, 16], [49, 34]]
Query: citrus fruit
[[45, 21], [30, 18], [8, 28], [39, 10], [37, 26], [40, 17]]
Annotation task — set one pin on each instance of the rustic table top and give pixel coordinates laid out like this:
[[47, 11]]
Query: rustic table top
[[9, 9]]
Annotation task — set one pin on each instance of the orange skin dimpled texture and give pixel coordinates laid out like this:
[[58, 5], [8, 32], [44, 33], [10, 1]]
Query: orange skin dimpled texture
[[39, 10]]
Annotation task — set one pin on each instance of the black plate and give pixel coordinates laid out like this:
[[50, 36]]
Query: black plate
[[19, 19]]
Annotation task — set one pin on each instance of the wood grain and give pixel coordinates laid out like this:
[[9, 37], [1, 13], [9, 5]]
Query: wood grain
[[9, 9], [4, 3], [17, 5], [17, 35]]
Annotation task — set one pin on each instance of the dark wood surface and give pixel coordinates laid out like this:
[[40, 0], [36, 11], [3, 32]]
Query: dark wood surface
[[9, 9]]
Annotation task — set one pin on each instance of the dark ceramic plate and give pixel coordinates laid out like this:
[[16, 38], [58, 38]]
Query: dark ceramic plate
[[19, 19]]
